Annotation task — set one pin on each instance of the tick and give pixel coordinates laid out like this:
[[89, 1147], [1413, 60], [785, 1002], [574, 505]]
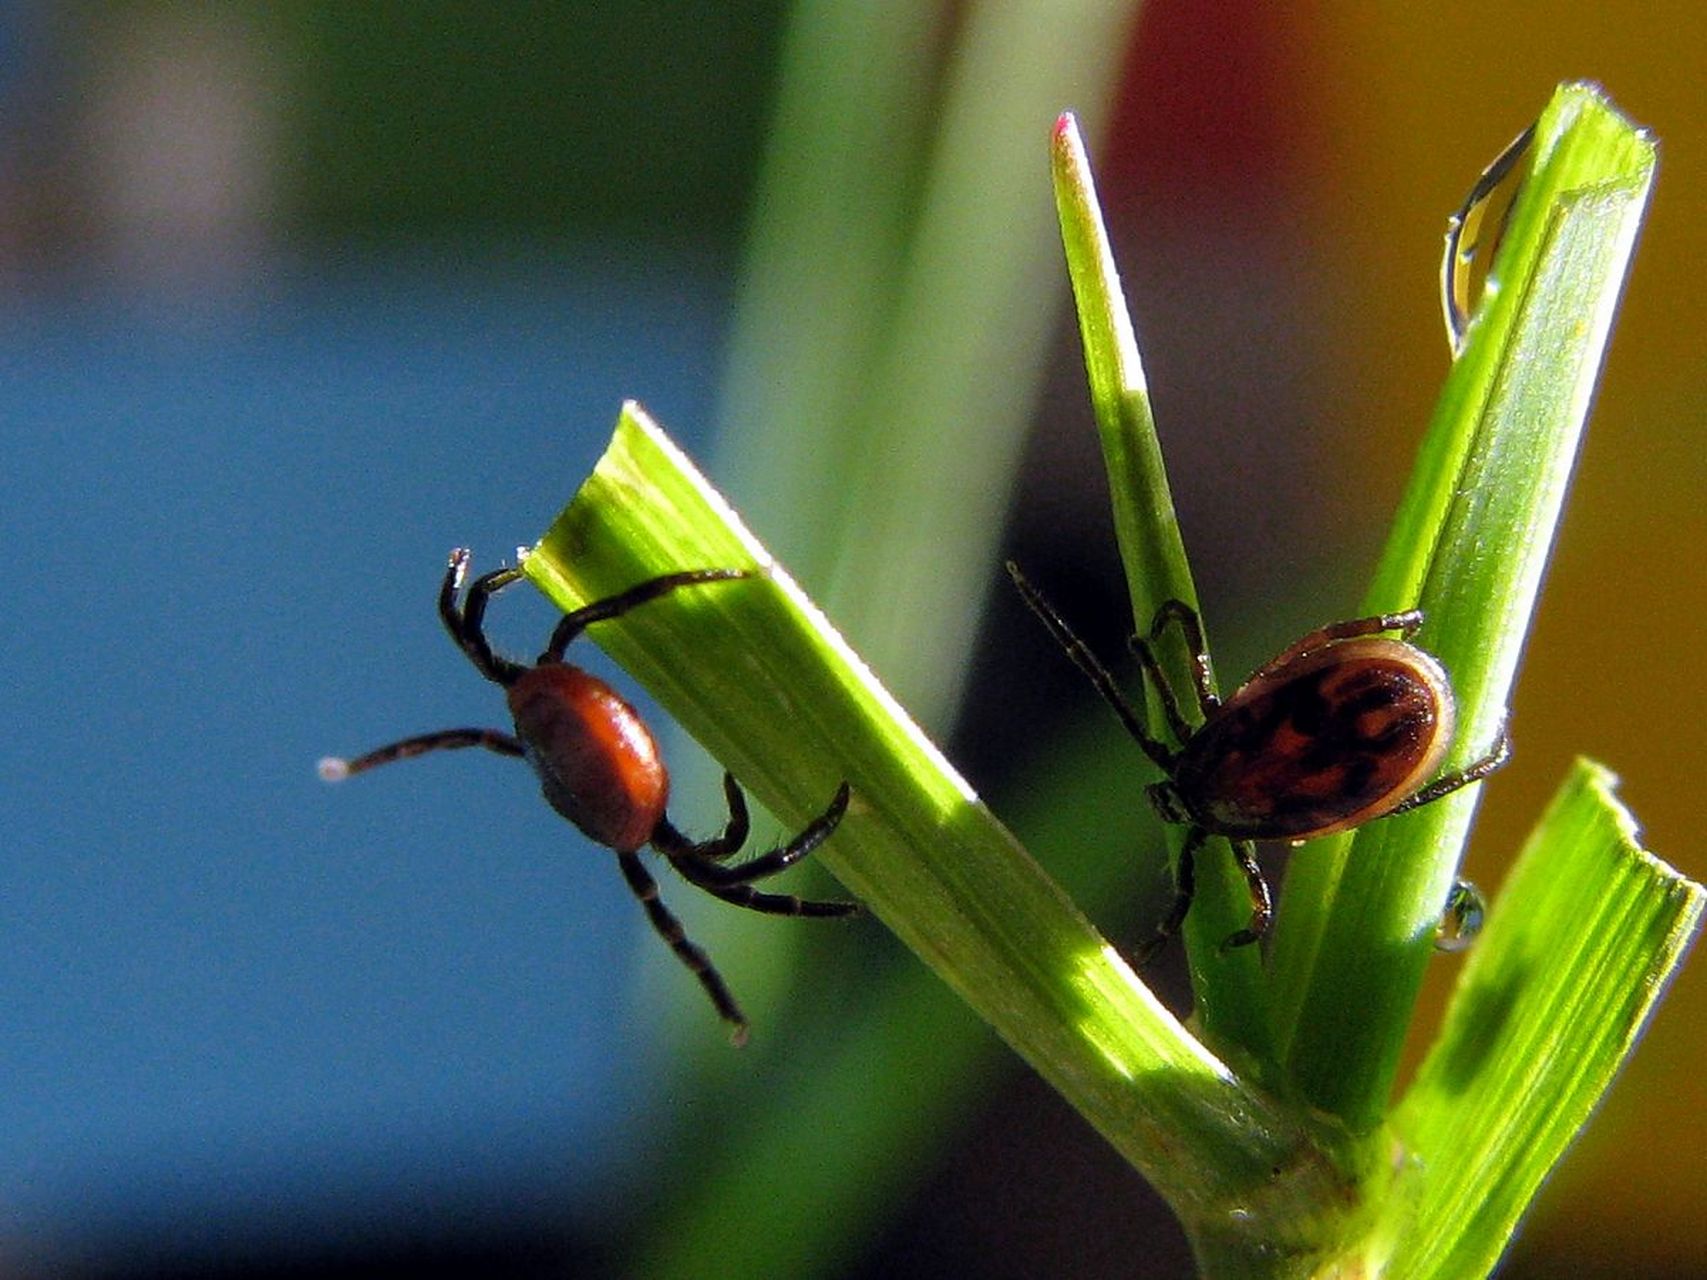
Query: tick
[[1344, 726], [599, 766]]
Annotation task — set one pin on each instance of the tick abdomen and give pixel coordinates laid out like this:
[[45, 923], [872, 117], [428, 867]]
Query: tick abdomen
[[1331, 740], [597, 762]]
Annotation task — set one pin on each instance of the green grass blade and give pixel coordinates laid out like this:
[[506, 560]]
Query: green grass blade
[[1578, 949], [896, 309], [886, 370], [1145, 522], [903, 1036], [831, 220], [1231, 1005], [754, 672], [1470, 546]]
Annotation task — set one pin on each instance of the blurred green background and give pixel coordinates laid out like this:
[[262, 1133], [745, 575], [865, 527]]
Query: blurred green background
[[298, 296]]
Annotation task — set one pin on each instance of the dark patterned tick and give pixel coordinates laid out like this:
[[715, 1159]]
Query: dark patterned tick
[[1345, 726]]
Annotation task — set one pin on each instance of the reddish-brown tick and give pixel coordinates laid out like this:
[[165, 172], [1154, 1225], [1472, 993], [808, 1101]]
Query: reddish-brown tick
[[1343, 727], [599, 766]]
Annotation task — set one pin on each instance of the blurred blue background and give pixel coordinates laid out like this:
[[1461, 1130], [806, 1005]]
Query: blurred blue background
[[229, 986], [248, 412], [294, 299]]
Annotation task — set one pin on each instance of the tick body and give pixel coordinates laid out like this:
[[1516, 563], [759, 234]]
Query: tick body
[[597, 762], [598, 765], [1345, 726], [1319, 744]]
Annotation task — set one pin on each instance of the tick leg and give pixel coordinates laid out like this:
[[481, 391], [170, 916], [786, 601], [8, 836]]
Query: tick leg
[[1191, 627], [1185, 888], [670, 930], [1087, 662], [707, 869], [700, 863], [1405, 623], [466, 624], [1447, 783], [573, 624], [734, 832], [1164, 691], [744, 895], [450, 612], [335, 769], [1262, 909]]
